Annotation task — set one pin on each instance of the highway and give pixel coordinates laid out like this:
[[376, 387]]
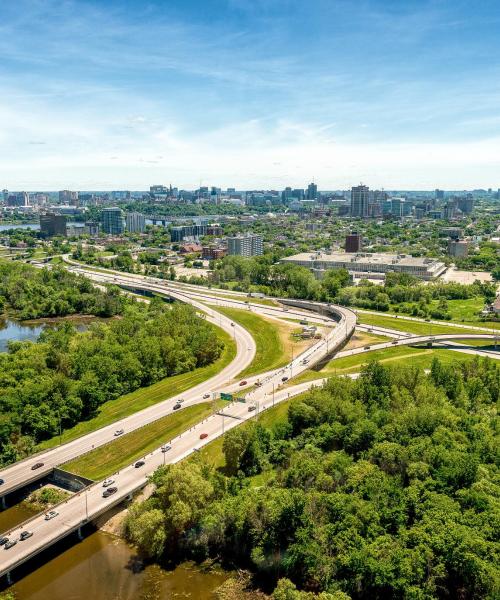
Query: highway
[[89, 504]]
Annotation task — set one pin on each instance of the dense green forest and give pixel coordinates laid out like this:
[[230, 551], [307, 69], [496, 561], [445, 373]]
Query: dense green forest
[[65, 376], [31, 293], [382, 487]]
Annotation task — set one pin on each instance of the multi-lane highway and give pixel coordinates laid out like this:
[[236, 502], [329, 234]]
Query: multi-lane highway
[[90, 503]]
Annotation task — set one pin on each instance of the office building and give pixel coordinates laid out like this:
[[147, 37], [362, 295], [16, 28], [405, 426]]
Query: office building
[[439, 194], [465, 204], [369, 266], [52, 224], [353, 242], [359, 201], [245, 245], [458, 248], [112, 220], [18, 199], [181, 232], [312, 191], [212, 252], [449, 211], [397, 207], [135, 222], [68, 197], [92, 228]]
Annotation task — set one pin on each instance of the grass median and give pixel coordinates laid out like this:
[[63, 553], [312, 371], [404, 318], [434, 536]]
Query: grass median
[[416, 327], [124, 450], [126, 405], [271, 352]]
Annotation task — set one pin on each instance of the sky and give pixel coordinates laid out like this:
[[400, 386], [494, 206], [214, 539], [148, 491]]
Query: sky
[[252, 94]]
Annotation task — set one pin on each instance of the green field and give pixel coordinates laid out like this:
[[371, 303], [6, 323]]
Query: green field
[[420, 357], [416, 327], [270, 353], [123, 451], [114, 410]]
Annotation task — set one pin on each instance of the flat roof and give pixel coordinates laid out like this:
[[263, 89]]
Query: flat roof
[[378, 258]]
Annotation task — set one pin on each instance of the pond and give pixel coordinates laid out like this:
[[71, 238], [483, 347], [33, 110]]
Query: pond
[[10, 329]]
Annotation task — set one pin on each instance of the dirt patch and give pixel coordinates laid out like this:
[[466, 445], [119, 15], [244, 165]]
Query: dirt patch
[[360, 339]]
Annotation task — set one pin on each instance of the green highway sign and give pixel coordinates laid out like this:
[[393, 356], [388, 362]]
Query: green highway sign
[[224, 396]]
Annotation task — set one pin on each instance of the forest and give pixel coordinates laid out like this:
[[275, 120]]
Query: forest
[[65, 376], [382, 487], [30, 293]]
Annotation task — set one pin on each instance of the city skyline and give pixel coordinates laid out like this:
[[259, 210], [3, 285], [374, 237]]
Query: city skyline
[[260, 95]]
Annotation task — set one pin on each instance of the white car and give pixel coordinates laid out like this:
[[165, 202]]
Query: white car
[[205, 396], [166, 448], [51, 515], [119, 432], [107, 482]]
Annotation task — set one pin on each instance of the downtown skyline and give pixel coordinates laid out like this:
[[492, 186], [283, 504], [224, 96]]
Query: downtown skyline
[[121, 95]]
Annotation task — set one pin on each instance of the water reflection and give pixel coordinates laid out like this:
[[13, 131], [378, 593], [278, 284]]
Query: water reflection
[[23, 331], [103, 567]]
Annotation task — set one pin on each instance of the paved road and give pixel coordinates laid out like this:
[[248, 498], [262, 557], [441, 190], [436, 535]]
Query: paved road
[[21, 473]]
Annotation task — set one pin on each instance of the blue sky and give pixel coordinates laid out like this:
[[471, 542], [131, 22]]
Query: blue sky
[[249, 93]]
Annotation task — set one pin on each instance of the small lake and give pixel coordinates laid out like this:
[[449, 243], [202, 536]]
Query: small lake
[[22, 331], [34, 226]]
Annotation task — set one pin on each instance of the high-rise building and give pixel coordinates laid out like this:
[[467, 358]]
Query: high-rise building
[[92, 228], [466, 204], [312, 191], [18, 199], [68, 197], [439, 194], [353, 242], [112, 220], [449, 211], [245, 245], [397, 207], [135, 222], [52, 224], [359, 201]]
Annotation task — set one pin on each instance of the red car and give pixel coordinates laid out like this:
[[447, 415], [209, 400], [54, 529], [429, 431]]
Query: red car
[[243, 382], [203, 436]]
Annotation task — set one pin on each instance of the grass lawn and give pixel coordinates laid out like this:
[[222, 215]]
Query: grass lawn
[[123, 451], [271, 352], [361, 338], [114, 410], [420, 357], [416, 327]]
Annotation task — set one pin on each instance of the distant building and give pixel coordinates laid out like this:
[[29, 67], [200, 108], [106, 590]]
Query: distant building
[[52, 224], [449, 211], [439, 194], [182, 232], [466, 204], [360, 196], [397, 207], [365, 265], [312, 191], [312, 227], [135, 222], [453, 232], [458, 249], [92, 228], [212, 253], [353, 242], [112, 221], [245, 245], [68, 197], [18, 199]]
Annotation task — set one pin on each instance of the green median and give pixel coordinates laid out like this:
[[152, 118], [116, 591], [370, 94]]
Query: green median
[[123, 451], [126, 405], [416, 327], [270, 351]]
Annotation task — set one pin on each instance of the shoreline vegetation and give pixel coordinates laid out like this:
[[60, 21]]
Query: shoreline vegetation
[[379, 487]]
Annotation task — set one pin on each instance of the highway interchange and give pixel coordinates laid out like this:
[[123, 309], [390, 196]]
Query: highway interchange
[[88, 504]]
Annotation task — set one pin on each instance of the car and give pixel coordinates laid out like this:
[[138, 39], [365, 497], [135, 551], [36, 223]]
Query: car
[[394, 342], [10, 543], [305, 361], [37, 465], [252, 407], [285, 310], [139, 463], [107, 482], [3, 540], [203, 436], [244, 382], [51, 515], [258, 383], [176, 406], [25, 535], [109, 492], [303, 322], [180, 401], [284, 379], [2, 481], [166, 448], [232, 324], [366, 347], [205, 396], [118, 432]]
